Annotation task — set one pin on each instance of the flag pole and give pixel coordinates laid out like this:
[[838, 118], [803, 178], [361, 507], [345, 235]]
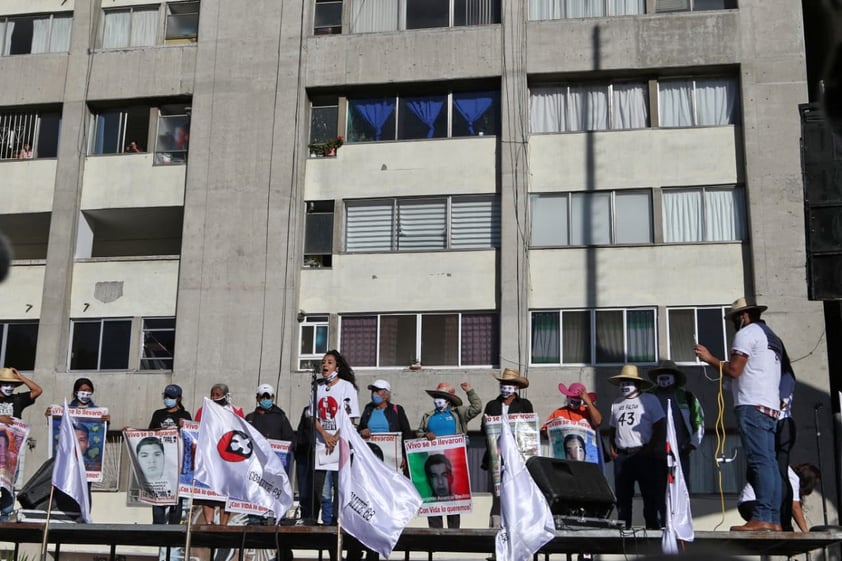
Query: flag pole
[[189, 523], [47, 524], [338, 537]]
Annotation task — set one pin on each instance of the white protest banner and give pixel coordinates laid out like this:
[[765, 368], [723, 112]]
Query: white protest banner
[[573, 441], [189, 435], [388, 446], [525, 430], [282, 450], [439, 470], [12, 439], [154, 456]]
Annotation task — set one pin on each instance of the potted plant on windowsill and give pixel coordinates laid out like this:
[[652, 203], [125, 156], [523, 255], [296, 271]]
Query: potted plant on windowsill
[[326, 149]]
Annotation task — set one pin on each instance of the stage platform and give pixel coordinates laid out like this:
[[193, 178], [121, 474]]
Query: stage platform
[[631, 543]]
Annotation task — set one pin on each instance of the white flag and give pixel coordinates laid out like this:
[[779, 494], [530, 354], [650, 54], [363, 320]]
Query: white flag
[[234, 459], [375, 502], [679, 520], [526, 520], [69, 474]]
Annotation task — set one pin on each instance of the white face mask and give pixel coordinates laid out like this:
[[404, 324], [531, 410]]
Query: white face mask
[[84, 397], [441, 404], [507, 391], [666, 380], [7, 389], [627, 388]]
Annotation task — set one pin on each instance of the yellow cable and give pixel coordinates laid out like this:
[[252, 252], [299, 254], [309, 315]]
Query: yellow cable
[[719, 427]]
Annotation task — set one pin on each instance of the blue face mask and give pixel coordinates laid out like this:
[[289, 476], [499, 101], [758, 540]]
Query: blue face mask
[[376, 398], [266, 403], [169, 402]]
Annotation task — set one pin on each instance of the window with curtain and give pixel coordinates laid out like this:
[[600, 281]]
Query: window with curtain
[[372, 16], [707, 325], [693, 5], [568, 9], [114, 129], [704, 214], [591, 218], [470, 222], [397, 340], [22, 35], [593, 336], [136, 26], [588, 107], [698, 102]]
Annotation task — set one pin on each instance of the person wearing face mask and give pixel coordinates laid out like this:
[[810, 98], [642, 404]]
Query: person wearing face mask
[[507, 401], [580, 406], [83, 398], [171, 416], [269, 419], [381, 415], [449, 416], [638, 447], [11, 406], [754, 368]]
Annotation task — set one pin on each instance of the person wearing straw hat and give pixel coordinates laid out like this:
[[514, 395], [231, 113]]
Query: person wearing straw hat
[[755, 371], [11, 406], [637, 447], [580, 406], [690, 425], [448, 417]]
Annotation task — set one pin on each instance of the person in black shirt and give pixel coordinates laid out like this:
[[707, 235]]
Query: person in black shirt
[[11, 406], [269, 419], [170, 416]]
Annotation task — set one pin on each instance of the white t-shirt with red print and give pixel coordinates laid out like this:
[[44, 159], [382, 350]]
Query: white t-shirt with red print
[[328, 401]]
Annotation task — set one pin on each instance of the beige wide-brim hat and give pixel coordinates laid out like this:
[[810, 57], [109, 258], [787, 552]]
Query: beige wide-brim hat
[[668, 367], [741, 305], [512, 377], [445, 391], [630, 373], [7, 376]]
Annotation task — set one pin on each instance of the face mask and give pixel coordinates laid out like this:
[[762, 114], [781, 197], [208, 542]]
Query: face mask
[[441, 404], [666, 380], [507, 391], [574, 403], [223, 401], [627, 388], [84, 397], [739, 324], [169, 402], [266, 404], [7, 390], [376, 398], [332, 375]]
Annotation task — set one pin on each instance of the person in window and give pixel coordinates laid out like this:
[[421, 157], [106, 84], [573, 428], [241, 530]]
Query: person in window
[[25, 153], [448, 417], [171, 416], [133, 148]]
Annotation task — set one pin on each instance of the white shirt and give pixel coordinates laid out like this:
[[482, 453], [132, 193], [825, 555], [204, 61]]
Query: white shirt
[[759, 383], [632, 420], [329, 399], [747, 494]]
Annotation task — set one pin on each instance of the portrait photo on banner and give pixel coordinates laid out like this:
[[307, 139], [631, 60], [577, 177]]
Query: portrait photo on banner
[[91, 432], [573, 441], [155, 457], [281, 448], [388, 446], [12, 440], [189, 434], [439, 470], [525, 430]]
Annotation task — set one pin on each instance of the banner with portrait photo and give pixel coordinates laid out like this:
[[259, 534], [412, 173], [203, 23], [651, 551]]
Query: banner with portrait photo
[[12, 447], [570, 440], [189, 435], [525, 430], [154, 456], [91, 431], [439, 470], [282, 451], [388, 446]]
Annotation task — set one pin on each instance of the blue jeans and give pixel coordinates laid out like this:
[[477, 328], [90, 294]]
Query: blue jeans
[[328, 492], [757, 432]]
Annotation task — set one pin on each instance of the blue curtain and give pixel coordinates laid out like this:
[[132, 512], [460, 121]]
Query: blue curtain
[[472, 106], [375, 112], [427, 109]]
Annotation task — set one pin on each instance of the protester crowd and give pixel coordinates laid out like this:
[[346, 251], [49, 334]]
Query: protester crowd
[[758, 373]]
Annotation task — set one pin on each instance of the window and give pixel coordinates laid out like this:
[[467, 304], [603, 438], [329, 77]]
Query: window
[[563, 9], [694, 5], [408, 117], [398, 340], [589, 107], [130, 27], [328, 17], [394, 15], [422, 224], [113, 452], [704, 476], [318, 234], [101, 344], [698, 102], [706, 325], [158, 344], [594, 336], [591, 218], [173, 137], [704, 214], [313, 341], [324, 116], [114, 129], [35, 34], [182, 22], [18, 341], [29, 135]]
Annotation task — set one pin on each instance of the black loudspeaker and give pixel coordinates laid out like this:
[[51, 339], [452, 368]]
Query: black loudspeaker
[[572, 488], [35, 493], [821, 161]]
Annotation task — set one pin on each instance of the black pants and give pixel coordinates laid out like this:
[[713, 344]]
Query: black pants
[[453, 521], [650, 474], [167, 514], [784, 442]]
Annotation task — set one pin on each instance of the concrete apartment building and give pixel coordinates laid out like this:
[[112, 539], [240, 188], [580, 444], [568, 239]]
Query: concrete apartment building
[[557, 186]]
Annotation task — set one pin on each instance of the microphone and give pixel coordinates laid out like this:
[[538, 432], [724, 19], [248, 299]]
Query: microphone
[[818, 406]]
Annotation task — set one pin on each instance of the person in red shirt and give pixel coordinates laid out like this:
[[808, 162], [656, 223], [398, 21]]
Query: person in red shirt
[[580, 406]]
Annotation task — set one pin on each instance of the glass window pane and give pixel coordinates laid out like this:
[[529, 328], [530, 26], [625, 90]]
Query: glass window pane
[[398, 340], [323, 122], [474, 222], [549, 220], [480, 339], [682, 215], [422, 117], [307, 334], [116, 336], [422, 224], [682, 333], [576, 337], [108, 134], [173, 139], [476, 12], [20, 40], [633, 217], [320, 344], [116, 29], [183, 20], [158, 323], [21, 339], [590, 222], [641, 335], [369, 226], [427, 13], [609, 337], [724, 215], [700, 5], [371, 119], [328, 18], [84, 351], [48, 135], [675, 103], [144, 27], [440, 340], [712, 330], [318, 233], [545, 338], [358, 341], [474, 113], [158, 344]]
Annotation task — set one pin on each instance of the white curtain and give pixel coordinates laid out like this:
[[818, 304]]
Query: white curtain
[[585, 8], [7, 42], [546, 9], [374, 15], [548, 220], [627, 7], [724, 215], [716, 101], [675, 108], [60, 36], [144, 27], [682, 216], [547, 110], [631, 107], [116, 29], [588, 108], [40, 35]]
